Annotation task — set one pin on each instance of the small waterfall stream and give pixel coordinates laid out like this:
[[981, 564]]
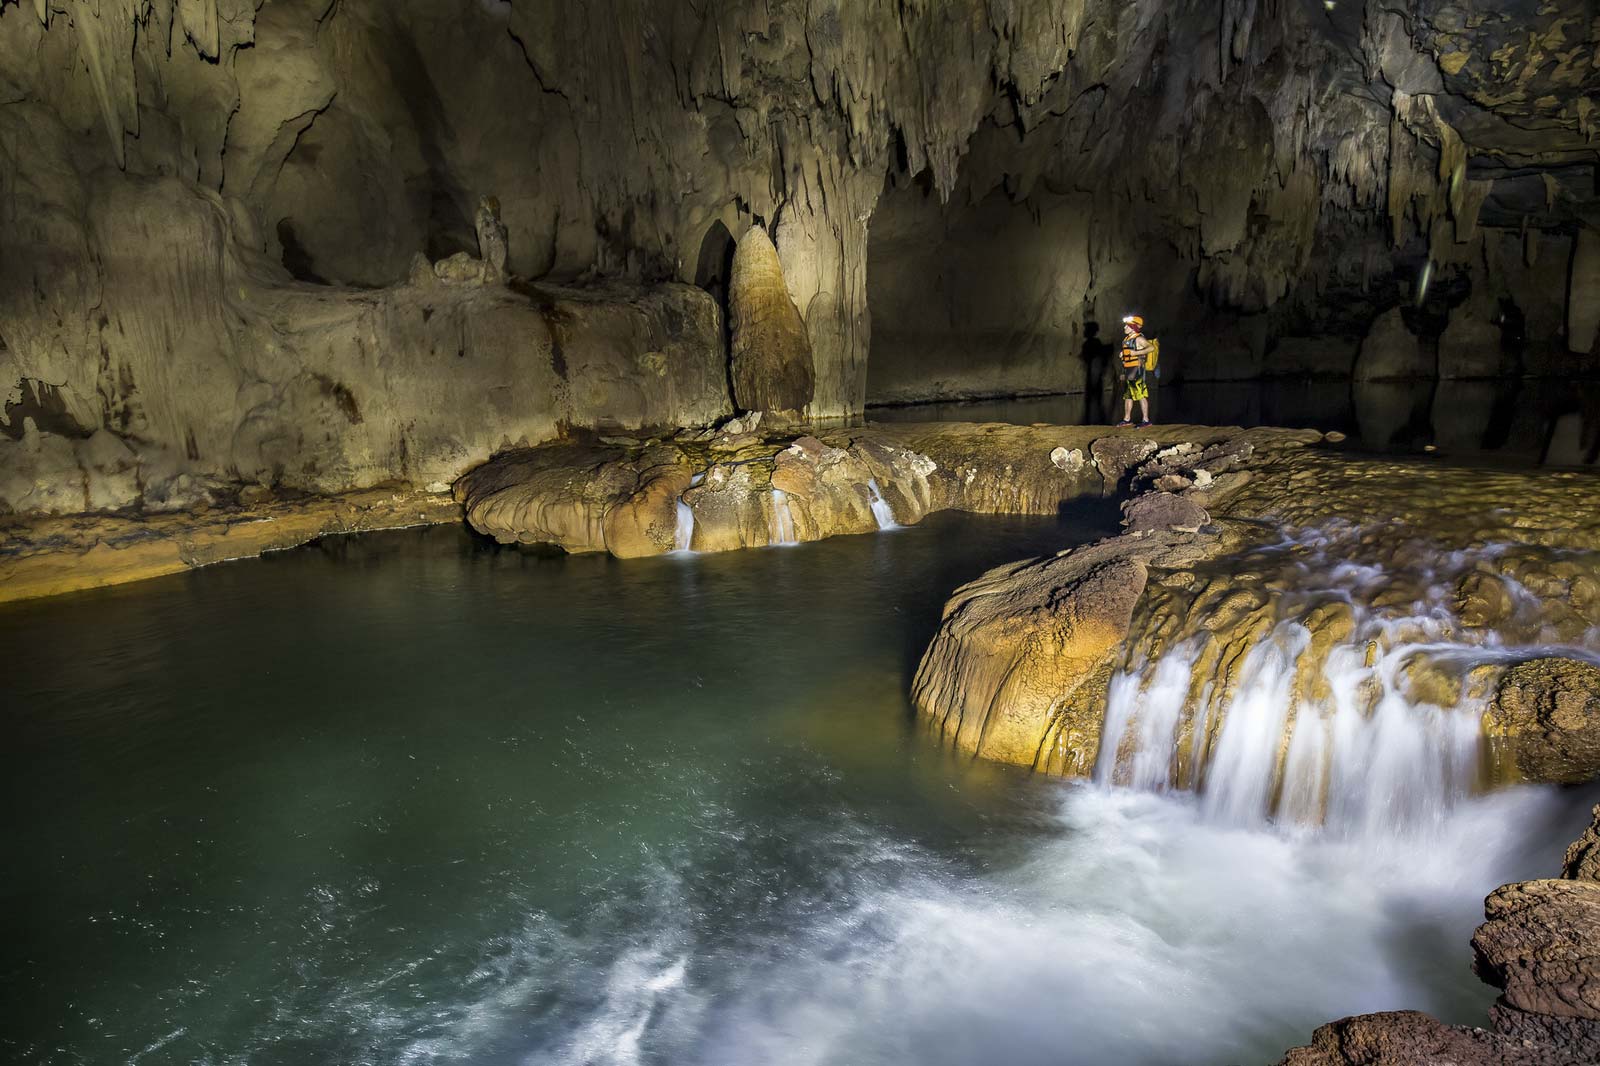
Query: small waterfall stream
[[683, 534], [880, 506], [782, 521], [1370, 728]]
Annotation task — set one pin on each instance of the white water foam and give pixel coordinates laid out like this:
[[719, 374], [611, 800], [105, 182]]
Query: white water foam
[[1366, 756], [782, 531], [880, 506], [683, 535], [1132, 928]]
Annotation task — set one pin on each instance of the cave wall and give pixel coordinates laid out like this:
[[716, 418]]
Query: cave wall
[[194, 189], [1265, 214]]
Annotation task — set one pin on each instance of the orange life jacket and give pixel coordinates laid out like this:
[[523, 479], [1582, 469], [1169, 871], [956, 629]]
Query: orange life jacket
[[1132, 357]]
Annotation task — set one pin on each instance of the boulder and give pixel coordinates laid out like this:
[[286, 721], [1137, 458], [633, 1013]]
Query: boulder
[[1544, 720], [39, 473], [1541, 947], [772, 368], [110, 472], [1582, 862], [1411, 1038], [1163, 511], [1391, 352], [1115, 456]]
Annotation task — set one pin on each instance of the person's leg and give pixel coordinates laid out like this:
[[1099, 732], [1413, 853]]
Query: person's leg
[[1144, 407], [1127, 410]]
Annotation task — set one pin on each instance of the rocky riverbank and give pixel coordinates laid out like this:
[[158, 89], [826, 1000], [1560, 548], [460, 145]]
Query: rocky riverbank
[[736, 486]]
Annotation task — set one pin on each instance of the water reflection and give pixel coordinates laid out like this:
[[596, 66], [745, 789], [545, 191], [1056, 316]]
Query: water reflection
[[1544, 421]]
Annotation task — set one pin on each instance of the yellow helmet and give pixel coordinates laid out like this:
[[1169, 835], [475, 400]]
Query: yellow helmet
[[1136, 321]]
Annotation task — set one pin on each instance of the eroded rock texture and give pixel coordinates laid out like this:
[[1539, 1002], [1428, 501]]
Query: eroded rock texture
[[213, 210], [1327, 585]]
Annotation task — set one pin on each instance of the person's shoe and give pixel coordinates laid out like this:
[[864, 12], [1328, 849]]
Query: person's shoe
[[1124, 424], [1145, 423]]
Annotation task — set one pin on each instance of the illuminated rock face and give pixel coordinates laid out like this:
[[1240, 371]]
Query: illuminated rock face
[[1277, 625], [237, 194]]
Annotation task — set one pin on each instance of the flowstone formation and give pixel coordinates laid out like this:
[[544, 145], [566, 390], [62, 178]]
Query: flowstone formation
[[721, 490], [1286, 630], [1541, 947]]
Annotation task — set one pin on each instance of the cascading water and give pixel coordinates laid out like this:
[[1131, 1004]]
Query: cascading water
[[880, 506], [683, 535], [1352, 708], [782, 521]]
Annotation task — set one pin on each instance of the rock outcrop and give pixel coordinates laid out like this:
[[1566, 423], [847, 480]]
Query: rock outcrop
[[769, 487], [1540, 946], [51, 556], [1544, 720], [1349, 583], [1019, 671], [771, 352]]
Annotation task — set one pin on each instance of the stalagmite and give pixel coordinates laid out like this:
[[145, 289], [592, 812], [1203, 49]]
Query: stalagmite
[[772, 368]]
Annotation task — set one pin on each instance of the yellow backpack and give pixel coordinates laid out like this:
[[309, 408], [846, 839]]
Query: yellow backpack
[[1153, 356]]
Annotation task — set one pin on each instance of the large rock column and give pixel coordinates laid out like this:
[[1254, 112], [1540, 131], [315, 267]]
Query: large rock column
[[1583, 293], [1391, 352], [771, 351]]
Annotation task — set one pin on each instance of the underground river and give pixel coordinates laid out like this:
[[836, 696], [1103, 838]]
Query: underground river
[[411, 798]]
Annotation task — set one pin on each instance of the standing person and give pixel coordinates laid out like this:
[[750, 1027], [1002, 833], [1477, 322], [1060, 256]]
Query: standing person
[[1135, 378]]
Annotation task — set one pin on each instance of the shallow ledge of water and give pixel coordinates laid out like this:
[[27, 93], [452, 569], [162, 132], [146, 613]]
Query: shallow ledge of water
[[48, 556]]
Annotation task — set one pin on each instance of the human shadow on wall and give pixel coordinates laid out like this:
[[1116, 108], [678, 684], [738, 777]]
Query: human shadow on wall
[[1096, 362]]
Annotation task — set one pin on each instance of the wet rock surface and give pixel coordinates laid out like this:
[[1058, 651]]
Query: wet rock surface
[[1394, 582], [48, 556], [1545, 718], [824, 483]]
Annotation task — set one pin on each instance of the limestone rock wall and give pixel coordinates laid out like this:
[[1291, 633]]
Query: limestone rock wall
[[1242, 172]]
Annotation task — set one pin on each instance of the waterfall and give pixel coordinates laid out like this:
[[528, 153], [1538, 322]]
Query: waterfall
[[1367, 727], [880, 506], [683, 535], [782, 531]]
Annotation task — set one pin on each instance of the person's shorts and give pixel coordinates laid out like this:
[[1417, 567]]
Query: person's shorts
[[1138, 390]]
